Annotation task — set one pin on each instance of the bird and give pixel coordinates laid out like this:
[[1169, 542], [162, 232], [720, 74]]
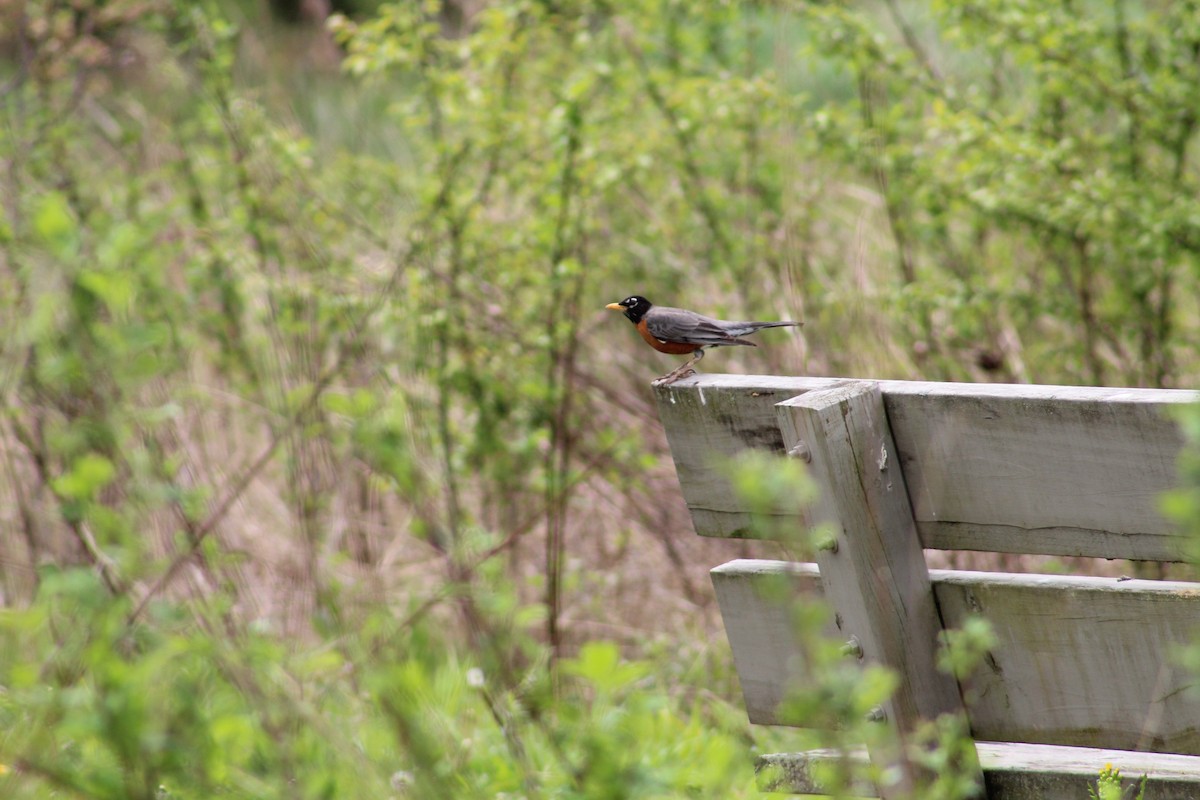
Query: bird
[[677, 331]]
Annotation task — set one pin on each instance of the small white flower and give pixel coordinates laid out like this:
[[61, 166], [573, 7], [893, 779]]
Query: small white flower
[[475, 678]]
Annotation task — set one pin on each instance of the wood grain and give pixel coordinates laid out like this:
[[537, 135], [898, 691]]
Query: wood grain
[[1060, 471], [876, 580], [709, 422], [766, 653], [1056, 470], [1081, 661]]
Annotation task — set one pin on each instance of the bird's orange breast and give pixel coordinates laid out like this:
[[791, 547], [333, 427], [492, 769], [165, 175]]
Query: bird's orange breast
[[672, 348]]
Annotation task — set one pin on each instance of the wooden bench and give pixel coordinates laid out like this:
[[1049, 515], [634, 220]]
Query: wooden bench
[[1083, 674]]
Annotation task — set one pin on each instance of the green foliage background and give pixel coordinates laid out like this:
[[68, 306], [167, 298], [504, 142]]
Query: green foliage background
[[325, 474]]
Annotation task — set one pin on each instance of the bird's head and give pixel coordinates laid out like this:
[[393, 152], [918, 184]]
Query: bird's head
[[635, 307]]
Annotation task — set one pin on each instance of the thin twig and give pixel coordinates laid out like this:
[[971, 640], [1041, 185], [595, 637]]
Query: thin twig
[[692, 173], [914, 44], [239, 485]]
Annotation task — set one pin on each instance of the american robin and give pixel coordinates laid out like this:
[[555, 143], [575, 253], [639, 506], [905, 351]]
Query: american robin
[[678, 331]]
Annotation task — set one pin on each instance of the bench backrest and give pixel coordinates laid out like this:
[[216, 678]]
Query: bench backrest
[[908, 466]]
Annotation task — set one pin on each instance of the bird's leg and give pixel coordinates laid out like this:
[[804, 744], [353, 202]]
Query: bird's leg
[[682, 371]]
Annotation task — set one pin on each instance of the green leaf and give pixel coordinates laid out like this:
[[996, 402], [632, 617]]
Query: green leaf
[[115, 289], [89, 474], [600, 664], [52, 221]]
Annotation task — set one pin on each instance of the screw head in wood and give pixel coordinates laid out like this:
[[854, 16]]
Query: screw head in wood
[[853, 647], [800, 451]]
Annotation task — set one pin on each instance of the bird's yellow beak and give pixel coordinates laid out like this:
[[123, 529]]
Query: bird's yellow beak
[[615, 307]]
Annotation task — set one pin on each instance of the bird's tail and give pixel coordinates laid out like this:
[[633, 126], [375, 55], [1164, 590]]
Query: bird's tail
[[758, 326], [738, 329]]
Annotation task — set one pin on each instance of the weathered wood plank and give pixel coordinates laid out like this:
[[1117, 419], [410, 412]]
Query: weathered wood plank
[[766, 655], [876, 578], [1057, 470], [1019, 771], [709, 420], [1081, 661], [1062, 471]]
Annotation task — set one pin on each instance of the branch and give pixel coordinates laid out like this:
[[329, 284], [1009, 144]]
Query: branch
[[913, 43]]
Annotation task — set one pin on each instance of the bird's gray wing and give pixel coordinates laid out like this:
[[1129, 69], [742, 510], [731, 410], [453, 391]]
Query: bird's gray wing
[[680, 325]]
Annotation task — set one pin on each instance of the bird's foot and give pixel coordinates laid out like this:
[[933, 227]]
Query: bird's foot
[[671, 377]]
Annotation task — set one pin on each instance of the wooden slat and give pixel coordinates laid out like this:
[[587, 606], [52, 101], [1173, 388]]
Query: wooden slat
[[1055, 470], [710, 419], [1019, 772], [760, 631], [1009, 468], [1081, 661], [876, 579]]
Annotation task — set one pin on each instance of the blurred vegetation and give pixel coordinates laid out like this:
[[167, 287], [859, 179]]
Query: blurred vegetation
[[321, 463]]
